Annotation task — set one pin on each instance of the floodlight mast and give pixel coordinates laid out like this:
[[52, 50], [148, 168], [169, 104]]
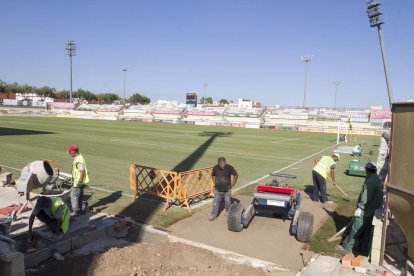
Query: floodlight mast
[[70, 51], [125, 68], [336, 83], [374, 12], [305, 59]]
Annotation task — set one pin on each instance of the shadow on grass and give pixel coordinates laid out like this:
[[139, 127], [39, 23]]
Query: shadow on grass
[[340, 220], [145, 207], [5, 131], [102, 203]]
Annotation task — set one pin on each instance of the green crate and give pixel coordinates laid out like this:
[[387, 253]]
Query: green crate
[[357, 168]]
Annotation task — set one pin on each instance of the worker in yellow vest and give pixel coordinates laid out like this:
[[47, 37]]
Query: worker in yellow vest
[[324, 165], [80, 179], [357, 150], [52, 211]]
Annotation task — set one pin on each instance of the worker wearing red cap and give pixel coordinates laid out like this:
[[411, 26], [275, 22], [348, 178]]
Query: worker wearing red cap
[[80, 179]]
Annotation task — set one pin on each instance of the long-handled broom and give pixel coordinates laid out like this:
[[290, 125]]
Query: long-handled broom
[[348, 198]]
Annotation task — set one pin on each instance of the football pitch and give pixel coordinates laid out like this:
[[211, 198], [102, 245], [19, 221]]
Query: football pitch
[[110, 147]]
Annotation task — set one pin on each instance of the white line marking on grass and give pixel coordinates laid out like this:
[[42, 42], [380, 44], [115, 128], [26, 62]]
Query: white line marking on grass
[[260, 157], [291, 139], [197, 205]]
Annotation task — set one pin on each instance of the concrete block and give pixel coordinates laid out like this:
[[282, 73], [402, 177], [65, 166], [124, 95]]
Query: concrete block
[[15, 265], [63, 246], [37, 257], [347, 259], [79, 241], [111, 231], [359, 261], [6, 178]]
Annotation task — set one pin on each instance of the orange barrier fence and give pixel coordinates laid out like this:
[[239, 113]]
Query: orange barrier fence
[[147, 180], [193, 184], [179, 188]]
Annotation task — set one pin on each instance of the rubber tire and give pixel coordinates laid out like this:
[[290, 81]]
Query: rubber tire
[[234, 217], [305, 227]]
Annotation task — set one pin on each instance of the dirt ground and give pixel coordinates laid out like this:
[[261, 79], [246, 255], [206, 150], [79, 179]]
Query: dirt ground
[[160, 258], [266, 238]]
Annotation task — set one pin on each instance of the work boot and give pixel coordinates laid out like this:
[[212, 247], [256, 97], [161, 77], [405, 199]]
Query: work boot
[[75, 214], [212, 218], [329, 202]]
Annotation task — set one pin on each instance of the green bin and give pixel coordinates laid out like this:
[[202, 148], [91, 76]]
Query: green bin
[[357, 168]]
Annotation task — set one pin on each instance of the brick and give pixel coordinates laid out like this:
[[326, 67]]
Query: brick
[[359, 261], [347, 259], [37, 257]]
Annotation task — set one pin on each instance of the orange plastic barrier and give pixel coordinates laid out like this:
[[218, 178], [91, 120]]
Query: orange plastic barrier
[[194, 184], [147, 180], [179, 188]]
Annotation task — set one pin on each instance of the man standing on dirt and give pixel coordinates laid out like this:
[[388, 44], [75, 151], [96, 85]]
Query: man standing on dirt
[[370, 198], [80, 179], [221, 174], [324, 165]]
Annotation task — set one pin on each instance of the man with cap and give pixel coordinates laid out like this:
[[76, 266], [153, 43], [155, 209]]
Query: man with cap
[[53, 211], [324, 165], [370, 198], [221, 175], [80, 179]]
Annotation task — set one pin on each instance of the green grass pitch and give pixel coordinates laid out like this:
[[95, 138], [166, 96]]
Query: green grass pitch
[[110, 147]]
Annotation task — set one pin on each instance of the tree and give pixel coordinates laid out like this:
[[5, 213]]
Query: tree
[[223, 102], [137, 98], [62, 95], [84, 95], [45, 91], [209, 100], [2, 86], [202, 100], [107, 98]]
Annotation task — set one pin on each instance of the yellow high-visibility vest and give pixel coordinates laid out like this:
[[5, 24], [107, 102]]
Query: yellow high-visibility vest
[[57, 203], [324, 166], [76, 173]]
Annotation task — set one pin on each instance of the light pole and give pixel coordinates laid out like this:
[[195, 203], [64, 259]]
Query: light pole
[[305, 59], [125, 70], [205, 91], [336, 83], [374, 12], [70, 51]]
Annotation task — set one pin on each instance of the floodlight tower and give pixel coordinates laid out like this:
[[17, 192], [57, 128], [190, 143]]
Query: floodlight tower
[[125, 68], [305, 59], [70, 51], [336, 83], [374, 12]]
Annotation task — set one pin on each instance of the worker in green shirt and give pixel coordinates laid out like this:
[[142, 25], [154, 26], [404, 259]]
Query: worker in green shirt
[[370, 198]]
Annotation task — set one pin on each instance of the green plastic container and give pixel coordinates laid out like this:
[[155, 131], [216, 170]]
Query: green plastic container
[[357, 168]]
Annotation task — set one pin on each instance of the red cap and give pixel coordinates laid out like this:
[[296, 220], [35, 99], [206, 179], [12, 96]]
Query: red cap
[[72, 147]]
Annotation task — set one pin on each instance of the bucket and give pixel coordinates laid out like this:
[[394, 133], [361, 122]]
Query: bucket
[[5, 225]]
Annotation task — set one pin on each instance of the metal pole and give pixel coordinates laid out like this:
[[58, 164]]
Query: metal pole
[[336, 91], [304, 90], [70, 95], [386, 71], [124, 83]]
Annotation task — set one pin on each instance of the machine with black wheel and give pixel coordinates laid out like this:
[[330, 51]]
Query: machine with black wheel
[[276, 198]]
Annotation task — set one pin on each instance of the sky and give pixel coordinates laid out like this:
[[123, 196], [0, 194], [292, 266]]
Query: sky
[[224, 49]]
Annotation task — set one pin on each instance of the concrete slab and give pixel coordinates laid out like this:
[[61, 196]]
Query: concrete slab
[[323, 265], [265, 238]]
